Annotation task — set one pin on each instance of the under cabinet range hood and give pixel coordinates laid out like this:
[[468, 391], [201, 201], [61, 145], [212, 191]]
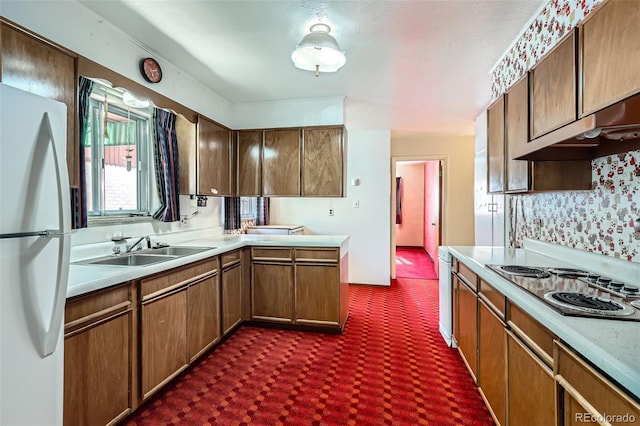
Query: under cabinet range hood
[[612, 130]]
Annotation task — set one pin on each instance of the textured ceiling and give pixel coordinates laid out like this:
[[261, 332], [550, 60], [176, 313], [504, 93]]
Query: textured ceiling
[[412, 66]]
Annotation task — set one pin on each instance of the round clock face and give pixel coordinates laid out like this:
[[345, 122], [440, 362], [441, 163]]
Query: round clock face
[[151, 70]]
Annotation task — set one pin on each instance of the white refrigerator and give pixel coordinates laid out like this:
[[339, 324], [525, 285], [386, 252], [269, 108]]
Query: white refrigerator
[[34, 257]]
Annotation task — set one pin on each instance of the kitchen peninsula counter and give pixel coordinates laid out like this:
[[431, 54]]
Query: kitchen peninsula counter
[[85, 278], [611, 345]]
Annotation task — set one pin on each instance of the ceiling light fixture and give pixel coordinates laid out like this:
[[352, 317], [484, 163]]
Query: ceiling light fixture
[[318, 51]]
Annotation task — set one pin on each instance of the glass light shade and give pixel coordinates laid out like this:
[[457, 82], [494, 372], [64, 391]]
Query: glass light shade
[[319, 51], [131, 100]]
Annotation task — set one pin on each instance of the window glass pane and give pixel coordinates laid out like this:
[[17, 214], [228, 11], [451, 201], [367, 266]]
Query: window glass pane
[[248, 207], [89, 158], [120, 164]]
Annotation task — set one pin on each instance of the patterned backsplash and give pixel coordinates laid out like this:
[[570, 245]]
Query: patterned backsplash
[[600, 220]]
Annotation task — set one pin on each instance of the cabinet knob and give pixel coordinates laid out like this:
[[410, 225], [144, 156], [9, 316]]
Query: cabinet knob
[[214, 191]]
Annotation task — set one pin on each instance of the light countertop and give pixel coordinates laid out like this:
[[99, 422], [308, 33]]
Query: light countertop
[[85, 278], [611, 345]]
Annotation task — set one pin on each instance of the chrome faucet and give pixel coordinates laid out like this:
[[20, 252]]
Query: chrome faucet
[[131, 247]]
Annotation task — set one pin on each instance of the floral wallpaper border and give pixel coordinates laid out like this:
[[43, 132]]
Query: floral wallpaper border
[[554, 21], [600, 220]]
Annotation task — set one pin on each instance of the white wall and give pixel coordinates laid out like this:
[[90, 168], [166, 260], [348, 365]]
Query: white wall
[[369, 225], [288, 113], [74, 27]]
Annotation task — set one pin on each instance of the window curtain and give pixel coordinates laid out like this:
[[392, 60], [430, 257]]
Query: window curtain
[[231, 213], [166, 165], [398, 200], [79, 195], [262, 211]]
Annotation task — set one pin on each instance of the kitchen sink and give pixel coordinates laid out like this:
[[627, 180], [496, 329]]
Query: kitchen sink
[[178, 251], [131, 260]]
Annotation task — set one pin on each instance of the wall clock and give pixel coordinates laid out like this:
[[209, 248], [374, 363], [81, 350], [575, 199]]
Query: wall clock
[[151, 70]]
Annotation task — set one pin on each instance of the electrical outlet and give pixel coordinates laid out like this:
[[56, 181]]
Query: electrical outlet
[[202, 201], [331, 212]]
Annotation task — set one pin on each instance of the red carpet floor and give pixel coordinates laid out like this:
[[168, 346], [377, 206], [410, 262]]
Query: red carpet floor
[[389, 367], [414, 262]]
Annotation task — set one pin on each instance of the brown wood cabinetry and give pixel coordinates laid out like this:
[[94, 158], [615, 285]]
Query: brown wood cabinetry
[[517, 133], [492, 362], [272, 284], [609, 42], [531, 399], [317, 293], [249, 146], [586, 396], [323, 164], [553, 94], [187, 143], [179, 320], [495, 146], [51, 73], [99, 357], [215, 159], [281, 162], [467, 324], [232, 300]]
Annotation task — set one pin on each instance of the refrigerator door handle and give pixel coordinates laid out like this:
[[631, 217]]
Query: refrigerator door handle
[[60, 295], [62, 180]]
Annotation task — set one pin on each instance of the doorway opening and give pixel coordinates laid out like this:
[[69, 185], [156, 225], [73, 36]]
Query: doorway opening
[[417, 218]]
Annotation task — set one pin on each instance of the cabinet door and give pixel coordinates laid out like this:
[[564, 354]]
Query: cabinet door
[[231, 297], [322, 168], [35, 66], [609, 44], [531, 400], [203, 319], [517, 134], [281, 163], [317, 294], [491, 362], [553, 89], [215, 159], [272, 292], [468, 326], [97, 372], [163, 340], [249, 162], [495, 146]]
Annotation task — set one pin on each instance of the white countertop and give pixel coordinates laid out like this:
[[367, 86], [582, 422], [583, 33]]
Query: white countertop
[[86, 278], [611, 345]]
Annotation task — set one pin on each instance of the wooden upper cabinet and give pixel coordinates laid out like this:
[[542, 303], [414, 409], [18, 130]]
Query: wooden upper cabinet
[[281, 163], [249, 146], [35, 65], [517, 134], [186, 134], [322, 168], [553, 88], [495, 146], [215, 159], [609, 46]]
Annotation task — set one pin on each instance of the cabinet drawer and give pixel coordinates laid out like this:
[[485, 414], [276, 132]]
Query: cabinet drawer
[[589, 388], [271, 254], [317, 255], [534, 334], [493, 297], [230, 258], [153, 286], [87, 309], [470, 276]]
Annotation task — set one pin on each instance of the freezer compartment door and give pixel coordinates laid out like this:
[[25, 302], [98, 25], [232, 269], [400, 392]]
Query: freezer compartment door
[[34, 186]]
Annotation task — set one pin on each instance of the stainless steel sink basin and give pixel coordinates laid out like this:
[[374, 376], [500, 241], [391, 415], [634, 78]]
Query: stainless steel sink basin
[[131, 260], [178, 251]]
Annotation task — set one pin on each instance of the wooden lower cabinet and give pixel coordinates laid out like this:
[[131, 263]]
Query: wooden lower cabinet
[[317, 295], [492, 367], [467, 324], [531, 388], [272, 292], [98, 374], [163, 340], [231, 297], [203, 315]]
